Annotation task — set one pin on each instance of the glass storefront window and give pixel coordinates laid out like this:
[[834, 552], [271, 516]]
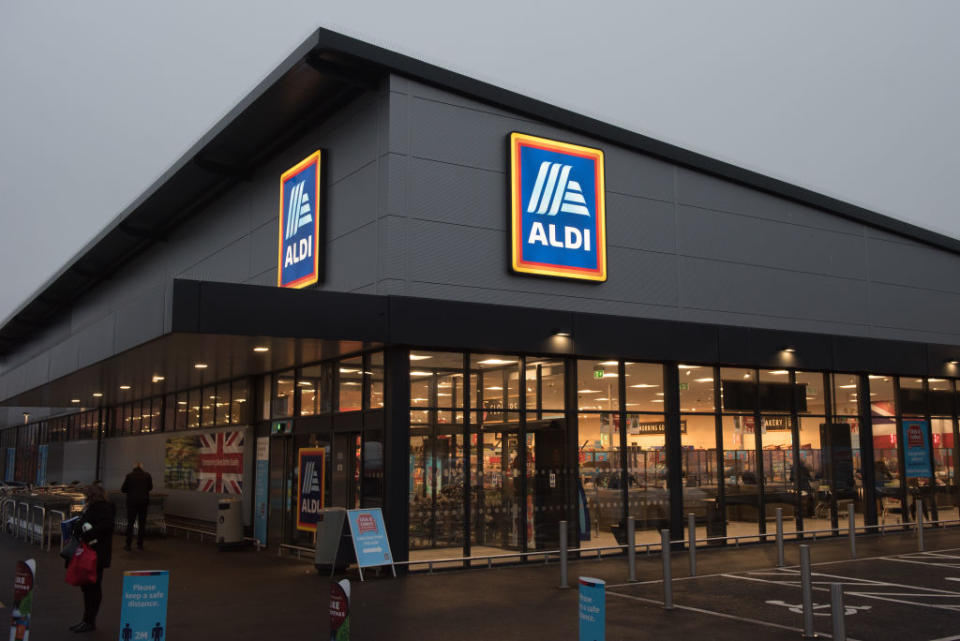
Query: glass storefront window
[[598, 386], [738, 390], [886, 460], [193, 404], [283, 393], [136, 417], [208, 406], [698, 440], [845, 394], [811, 389], [222, 404], [239, 402], [436, 453], [913, 401], [375, 380], [696, 388], [545, 387], [350, 384], [310, 390], [496, 386], [740, 477]]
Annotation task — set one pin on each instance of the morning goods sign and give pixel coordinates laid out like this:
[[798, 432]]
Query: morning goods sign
[[299, 261], [557, 214]]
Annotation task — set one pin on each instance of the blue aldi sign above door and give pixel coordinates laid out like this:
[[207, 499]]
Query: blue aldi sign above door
[[558, 219], [299, 254]]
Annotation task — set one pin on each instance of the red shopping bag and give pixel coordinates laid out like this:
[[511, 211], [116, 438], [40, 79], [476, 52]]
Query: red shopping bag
[[82, 568]]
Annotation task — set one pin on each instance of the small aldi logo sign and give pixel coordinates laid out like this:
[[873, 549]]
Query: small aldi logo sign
[[557, 213], [299, 257]]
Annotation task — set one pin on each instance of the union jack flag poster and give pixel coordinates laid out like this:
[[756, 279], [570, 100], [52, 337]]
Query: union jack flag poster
[[220, 463], [205, 462]]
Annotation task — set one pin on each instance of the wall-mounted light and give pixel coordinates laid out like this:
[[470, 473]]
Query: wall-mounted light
[[953, 362], [124, 387], [97, 394], [74, 400], [200, 365], [789, 349], [261, 349], [157, 378]]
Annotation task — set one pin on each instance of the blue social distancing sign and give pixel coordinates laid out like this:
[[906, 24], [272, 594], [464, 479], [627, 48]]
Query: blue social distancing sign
[[593, 609], [143, 613]]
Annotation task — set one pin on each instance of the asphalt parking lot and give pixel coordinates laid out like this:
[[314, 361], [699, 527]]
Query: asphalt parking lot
[[893, 592], [891, 597]]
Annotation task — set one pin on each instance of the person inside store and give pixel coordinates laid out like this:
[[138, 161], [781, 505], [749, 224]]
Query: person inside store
[[95, 528], [137, 486]]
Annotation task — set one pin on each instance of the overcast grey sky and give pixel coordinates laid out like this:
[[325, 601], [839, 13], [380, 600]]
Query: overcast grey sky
[[858, 100]]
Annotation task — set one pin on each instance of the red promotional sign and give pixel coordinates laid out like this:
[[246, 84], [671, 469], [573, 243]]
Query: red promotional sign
[[22, 600], [914, 436], [365, 523], [340, 611]]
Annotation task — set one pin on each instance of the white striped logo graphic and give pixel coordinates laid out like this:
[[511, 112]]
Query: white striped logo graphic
[[311, 484], [298, 211], [555, 192]]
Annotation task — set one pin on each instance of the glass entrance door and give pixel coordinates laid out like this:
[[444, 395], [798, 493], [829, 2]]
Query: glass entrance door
[[345, 470]]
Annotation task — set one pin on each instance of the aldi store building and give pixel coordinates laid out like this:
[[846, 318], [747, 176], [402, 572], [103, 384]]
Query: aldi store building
[[487, 315]]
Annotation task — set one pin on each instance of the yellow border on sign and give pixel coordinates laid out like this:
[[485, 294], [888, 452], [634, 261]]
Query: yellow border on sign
[[315, 276], [311, 451], [597, 275]]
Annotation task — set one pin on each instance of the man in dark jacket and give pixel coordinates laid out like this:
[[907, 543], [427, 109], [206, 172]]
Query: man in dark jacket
[[137, 487], [95, 528]]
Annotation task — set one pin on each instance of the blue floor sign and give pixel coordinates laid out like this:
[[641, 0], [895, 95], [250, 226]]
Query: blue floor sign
[[593, 609], [143, 614]]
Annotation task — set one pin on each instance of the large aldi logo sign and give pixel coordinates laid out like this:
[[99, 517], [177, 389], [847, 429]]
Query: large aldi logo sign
[[310, 484], [558, 218], [299, 255]]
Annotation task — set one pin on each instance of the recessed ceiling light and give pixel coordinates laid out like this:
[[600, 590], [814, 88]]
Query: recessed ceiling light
[[496, 361], [74, 400], [261, 348], [495, 388], [657, 400], [609, 363], [419, 357], [157, 378], [703, 380], [200, 365], [852, 386], [416, 373], [588, 391], [124, 387], [644, 385], [688, 366], [779, 372], [97, 394], [181, 402]]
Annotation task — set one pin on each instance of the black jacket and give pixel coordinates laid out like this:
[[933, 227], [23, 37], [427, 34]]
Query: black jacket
[[137, 486], [100, 516]]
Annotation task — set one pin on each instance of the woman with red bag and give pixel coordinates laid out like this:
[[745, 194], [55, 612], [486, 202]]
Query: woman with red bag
[[94, 529]]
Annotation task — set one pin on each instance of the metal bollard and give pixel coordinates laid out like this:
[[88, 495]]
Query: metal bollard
[[692, 542], [632, 547], [780, 561], [563, 555], [920, 528], [667, 578], [806, 593], [837, 612], [853, 533]]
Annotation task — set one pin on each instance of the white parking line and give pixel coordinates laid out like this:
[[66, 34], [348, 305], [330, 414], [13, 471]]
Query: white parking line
[[722, 615]]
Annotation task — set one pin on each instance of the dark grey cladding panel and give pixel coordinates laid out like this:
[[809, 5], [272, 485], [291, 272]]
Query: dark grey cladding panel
[[95, 342], [720, 286], [701, 190], [63, 358], [225, 308], [628, 172], [354, 201], [454, 254], [229, 264], [142, 319], [854, 354], [913, 265], [263, 248], [907, 307], [736, 238], [767, 348], [352, 259], [641, 223], [455, 194], [439, 131], [449, 325], [643, 339]]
